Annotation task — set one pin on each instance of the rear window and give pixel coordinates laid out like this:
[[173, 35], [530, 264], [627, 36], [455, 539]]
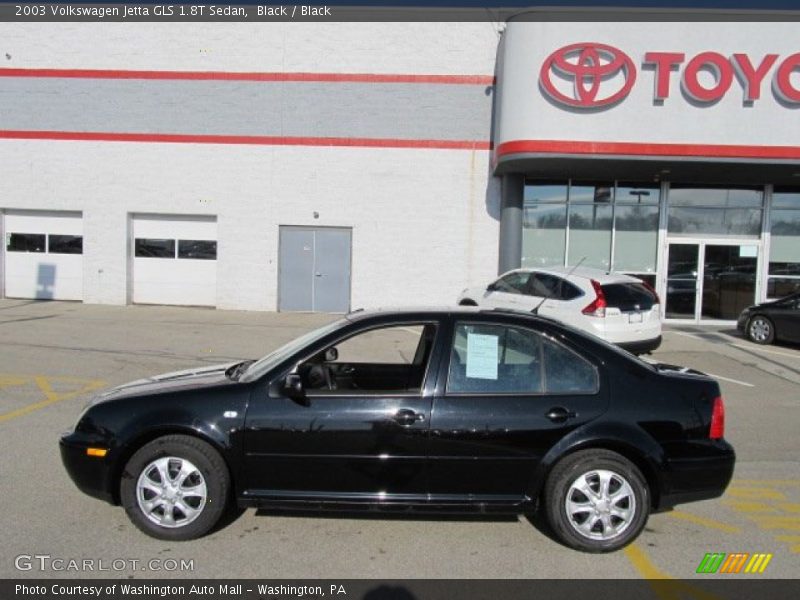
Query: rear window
[[629, 296]]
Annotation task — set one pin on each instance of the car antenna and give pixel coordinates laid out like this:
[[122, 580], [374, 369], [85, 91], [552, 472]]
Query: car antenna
[[550, 293]]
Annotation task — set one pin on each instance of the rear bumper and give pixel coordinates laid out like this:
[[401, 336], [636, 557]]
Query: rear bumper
[[91, 474], [693, 479], [641, 347]]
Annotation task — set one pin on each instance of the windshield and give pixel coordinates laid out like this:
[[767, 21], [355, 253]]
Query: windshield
[[263, 365]]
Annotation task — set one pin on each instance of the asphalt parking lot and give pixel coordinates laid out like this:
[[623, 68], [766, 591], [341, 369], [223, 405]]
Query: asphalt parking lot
[[54, 355]]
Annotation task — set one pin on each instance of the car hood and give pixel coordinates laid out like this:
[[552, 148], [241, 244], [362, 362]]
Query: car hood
[[175, 381], [474, 293]]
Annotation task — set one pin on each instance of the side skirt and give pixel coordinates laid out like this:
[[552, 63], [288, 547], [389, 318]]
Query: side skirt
[[388, 503]]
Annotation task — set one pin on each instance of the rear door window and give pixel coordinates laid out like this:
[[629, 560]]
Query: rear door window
[[549, 286], [628, 296], [499, 359]]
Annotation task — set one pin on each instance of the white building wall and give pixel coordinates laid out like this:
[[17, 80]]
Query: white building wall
[[424, 220], [388, 48]]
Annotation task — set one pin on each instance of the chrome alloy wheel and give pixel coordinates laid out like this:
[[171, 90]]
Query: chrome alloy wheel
[[759, 329], [600, 505], [171, 492]]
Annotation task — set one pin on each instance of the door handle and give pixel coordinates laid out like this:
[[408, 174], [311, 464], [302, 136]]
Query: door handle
[[559, 414], [406, 416], [317, 274]]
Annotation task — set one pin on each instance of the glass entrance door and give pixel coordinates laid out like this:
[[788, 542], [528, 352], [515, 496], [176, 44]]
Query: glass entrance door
[[729, 280], [683, 267], [711, 281]]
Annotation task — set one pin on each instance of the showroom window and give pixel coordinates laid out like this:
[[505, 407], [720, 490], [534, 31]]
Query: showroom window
[[700, 211], [590, 217], [564, 222], [636, 230], [784, 246], [544, 224]]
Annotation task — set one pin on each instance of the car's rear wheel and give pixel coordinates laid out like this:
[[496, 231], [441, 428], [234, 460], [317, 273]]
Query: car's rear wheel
[[596, 501], [175, 488], [760, 330]]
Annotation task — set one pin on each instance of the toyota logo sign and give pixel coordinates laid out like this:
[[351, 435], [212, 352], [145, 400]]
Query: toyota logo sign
[[587, 66]]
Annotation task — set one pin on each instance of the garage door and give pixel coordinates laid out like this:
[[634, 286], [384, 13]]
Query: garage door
[[174, 260], [44, 255]]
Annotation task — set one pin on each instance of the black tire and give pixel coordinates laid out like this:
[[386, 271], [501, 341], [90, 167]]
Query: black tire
[[760, 330], [599, 537], [468, 302], [209, 474]]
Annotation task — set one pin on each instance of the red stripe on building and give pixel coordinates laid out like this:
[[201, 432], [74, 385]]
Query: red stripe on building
[[259, 140], [232, 76], [643, 149]]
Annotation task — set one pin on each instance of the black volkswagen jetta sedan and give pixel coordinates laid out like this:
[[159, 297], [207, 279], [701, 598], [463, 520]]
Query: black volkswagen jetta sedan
[[433, 410]]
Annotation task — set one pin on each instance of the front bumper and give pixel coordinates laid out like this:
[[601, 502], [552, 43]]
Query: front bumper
[[91, 474], [741, 323]]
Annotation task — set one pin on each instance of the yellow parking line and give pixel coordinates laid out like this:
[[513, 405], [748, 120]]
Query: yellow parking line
[[10, 380], [665, 586], [787, 523], [750, 507], [756, 493], [710, 523], [643, 564], [762, 482], [792, 539], [790, 507], [51, 397]]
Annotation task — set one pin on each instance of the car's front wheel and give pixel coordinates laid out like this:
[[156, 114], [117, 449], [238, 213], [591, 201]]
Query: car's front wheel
[[596, 501], [760, 330], [175, 488]]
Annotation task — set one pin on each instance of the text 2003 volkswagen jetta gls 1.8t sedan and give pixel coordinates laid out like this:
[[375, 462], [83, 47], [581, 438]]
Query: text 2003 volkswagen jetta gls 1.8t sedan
[[435, 410]]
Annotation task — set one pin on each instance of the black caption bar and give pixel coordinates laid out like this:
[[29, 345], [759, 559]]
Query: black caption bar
[[730, 588], [148, 12]]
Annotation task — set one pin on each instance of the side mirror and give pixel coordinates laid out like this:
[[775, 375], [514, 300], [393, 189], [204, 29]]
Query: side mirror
[[293, 388], [491, 287], [331, 354]]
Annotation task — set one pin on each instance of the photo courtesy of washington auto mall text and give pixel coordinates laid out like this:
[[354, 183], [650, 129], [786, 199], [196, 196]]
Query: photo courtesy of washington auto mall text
[[74, 590]]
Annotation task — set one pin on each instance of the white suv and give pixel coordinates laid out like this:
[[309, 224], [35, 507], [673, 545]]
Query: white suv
[[618, 308]]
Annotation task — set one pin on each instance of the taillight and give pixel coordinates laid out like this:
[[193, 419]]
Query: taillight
[[652, 290], [717, 430], [598, 306]]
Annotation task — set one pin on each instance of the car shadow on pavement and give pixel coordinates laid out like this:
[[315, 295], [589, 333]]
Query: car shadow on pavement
[[541, 525]]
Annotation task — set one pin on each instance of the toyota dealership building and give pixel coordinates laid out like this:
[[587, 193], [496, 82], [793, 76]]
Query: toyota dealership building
[[329, 166]]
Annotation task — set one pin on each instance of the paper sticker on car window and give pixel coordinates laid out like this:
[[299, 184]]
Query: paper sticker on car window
[[482, 356]]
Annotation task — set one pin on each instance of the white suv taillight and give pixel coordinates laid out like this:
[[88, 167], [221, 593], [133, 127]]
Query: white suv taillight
[[597, 308]]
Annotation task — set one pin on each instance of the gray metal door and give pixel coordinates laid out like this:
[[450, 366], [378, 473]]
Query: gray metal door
[[314, 270]]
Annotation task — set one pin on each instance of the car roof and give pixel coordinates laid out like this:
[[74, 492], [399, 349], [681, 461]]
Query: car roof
[[599, 275], [437, 311]]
